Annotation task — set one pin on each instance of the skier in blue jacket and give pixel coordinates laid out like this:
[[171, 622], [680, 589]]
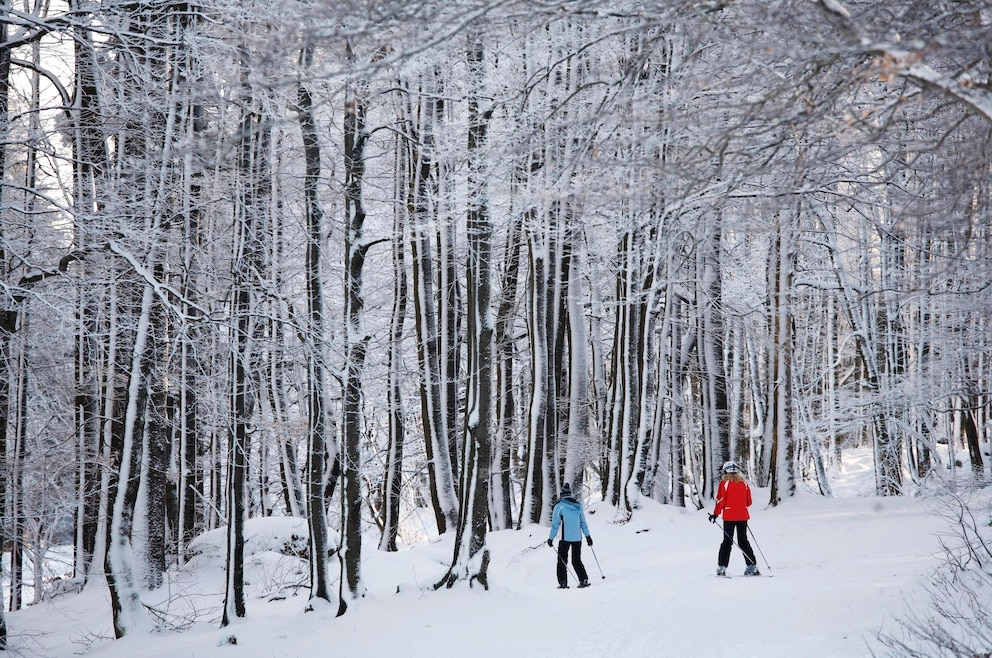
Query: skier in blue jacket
[[569, 515]]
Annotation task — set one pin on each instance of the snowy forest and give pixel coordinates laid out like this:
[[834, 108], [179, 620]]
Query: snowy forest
[[406, 267]]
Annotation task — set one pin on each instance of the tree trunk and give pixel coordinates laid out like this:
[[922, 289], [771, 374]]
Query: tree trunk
[[156, 440], [89, 163], [356, 344], [251, 207], [714, 405], [537, 485], [316, 381], [578, 439], [500, 507], [471, 557], [393, 478], [128, 612], [779, 426], [424, 193], [15, 467], [4, 319]]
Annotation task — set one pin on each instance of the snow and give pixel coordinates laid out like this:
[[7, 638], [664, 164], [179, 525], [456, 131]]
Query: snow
[[843, 569]]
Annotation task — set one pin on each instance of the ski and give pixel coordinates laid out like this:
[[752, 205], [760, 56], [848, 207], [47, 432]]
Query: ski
[[760, 575]]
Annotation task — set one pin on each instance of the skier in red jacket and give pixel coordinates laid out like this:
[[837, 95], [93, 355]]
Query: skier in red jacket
[[733, 497]]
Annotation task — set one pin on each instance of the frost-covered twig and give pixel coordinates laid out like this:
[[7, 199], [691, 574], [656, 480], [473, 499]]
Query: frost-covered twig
[[957, 622]]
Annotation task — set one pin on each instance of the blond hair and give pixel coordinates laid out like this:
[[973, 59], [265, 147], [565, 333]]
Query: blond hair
[[733, 477]]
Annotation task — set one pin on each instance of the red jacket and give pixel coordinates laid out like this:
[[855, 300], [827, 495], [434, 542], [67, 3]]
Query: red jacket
[[733, 499]]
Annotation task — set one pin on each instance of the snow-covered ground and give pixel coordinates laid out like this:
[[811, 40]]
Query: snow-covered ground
[[842, 569]]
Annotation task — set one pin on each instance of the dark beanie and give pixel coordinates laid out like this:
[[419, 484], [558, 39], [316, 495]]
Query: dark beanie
[[566, 490]]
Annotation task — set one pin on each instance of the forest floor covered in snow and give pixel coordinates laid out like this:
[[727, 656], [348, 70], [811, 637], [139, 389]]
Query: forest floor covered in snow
[[842, 570]]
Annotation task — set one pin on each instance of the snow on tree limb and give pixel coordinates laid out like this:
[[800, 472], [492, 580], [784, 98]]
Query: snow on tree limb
[[907, 63], [980, 100]]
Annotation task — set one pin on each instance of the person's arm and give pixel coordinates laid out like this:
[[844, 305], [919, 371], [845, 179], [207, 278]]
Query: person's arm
[[555, 522], [721, 498]]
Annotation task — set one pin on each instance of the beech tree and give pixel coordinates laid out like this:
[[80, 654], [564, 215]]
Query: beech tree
[[471, 557], [316, 380], [620, 254], [356, 339]]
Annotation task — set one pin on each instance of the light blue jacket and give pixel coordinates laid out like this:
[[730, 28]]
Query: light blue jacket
[[568, 513]]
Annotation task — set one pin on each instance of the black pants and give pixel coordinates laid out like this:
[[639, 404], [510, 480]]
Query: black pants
[[580, 570], [728, 542]]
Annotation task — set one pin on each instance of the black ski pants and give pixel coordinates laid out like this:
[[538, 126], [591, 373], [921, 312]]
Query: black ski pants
[[729, 527], [580, 570]]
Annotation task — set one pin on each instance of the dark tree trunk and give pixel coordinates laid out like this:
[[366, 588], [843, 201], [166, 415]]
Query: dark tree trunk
[[5, 316], [316, 393], [393, 479], [356, 343], [473, 515], [157, 447], [129, 391], [505, 406], [88, 165], [251, 208], [423, 200]]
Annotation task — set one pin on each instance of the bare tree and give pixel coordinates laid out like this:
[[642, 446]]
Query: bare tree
[[356, 340], [422, 117], [316, 381], [471, 557]]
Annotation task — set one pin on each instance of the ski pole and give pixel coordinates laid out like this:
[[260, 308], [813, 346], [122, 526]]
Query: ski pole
[[597, 561], [760, 552]]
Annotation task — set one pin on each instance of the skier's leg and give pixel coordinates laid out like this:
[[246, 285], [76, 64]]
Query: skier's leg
[[562, 562], [580, 569], [745, 544], [728, 541]]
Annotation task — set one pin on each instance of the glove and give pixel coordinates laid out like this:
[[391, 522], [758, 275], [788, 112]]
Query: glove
[[589, 539], [551, 544], [712, 518]]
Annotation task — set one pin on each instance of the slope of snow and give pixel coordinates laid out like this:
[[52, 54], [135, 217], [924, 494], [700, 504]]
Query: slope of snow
[[843, 568]]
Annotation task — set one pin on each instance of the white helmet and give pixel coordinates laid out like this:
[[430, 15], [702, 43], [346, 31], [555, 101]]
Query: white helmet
[[731, 467]]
